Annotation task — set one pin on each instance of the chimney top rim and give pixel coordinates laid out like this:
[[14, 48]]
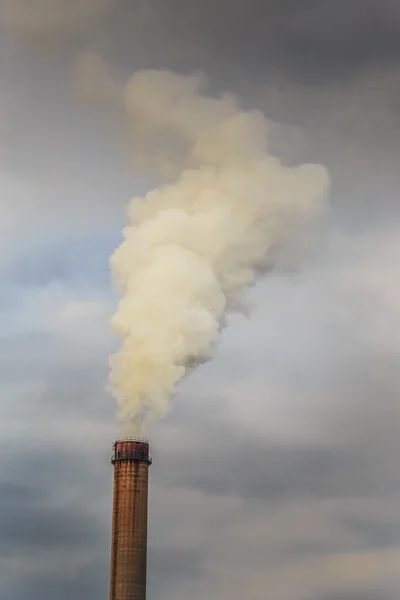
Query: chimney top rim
[[132, 439]]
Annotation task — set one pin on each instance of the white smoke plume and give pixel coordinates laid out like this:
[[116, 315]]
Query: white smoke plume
[[194, 245]]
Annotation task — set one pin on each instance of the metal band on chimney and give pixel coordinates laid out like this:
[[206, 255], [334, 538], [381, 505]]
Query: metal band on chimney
[[131, 449]]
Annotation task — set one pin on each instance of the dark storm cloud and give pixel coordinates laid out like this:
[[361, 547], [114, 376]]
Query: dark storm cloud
[[267, 52], [356, 457], [344, 482], [29, 519], [87, 581], [311, 40], [16, 495], [53, 540], [36, 527], [274, 472], [379, 533], [169, 561]]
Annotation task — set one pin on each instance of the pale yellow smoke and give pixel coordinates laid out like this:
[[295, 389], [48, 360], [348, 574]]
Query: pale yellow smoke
[[44, 20], [194, 245]]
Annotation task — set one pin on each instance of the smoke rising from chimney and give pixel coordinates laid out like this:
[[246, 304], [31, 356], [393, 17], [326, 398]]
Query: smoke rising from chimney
[[196, 243]]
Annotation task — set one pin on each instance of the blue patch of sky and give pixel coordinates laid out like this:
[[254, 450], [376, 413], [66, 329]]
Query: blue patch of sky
[[81, 261]]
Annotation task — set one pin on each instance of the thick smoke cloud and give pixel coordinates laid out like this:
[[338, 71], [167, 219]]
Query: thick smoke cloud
[[193, 247]]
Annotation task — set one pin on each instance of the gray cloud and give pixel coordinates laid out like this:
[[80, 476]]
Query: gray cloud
[[50, 528], [314, 40], [46, 528], [365, 594], [83, 582], [220, 493], [311, 41], [168, 562], [338, 104]]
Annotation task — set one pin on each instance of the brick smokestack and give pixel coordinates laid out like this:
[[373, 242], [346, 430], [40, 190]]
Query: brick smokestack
[[131, 462]]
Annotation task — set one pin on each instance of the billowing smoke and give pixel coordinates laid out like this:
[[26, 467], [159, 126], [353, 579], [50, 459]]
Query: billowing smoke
[[196, 243]]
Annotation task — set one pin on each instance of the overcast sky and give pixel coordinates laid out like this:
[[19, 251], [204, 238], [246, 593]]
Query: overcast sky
[[275, 475]]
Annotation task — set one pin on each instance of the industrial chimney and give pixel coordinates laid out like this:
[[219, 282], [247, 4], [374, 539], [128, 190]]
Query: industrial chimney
[[131, 462]]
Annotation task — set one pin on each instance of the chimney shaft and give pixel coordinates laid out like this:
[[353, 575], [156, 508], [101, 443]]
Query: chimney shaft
[[131, 462]]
